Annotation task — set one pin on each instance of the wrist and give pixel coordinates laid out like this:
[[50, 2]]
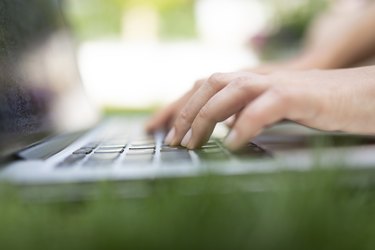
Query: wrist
[[304, 62]]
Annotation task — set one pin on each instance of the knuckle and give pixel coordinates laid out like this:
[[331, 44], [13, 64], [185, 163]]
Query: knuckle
[[215, 81], [215, 77], [198, 83], [241, 84], [204, 114], [282, 95], [183, 117]]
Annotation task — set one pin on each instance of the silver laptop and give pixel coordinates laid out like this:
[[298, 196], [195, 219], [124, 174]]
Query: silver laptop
[[50, 133]]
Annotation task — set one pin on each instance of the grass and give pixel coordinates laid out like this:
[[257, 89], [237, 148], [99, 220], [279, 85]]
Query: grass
[[283, 211]]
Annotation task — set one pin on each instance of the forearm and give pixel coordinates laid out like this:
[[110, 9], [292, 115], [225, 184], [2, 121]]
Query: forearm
[[353, 44]]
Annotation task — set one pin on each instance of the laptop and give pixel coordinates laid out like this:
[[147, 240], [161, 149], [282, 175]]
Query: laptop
[[50, 133]]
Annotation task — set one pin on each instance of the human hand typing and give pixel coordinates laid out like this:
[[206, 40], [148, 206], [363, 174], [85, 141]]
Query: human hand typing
[[335, 100]]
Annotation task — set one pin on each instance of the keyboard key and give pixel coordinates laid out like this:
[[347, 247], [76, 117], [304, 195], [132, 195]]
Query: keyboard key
[[140, 151], [141, 159], [84, 151], [150, 146], [71, 160], [210, 146], [102, 159], [104, 156], [112, 146], [213, 156], [175, 156], [212, 150], [104, 150], [251, 151], [171, 149]]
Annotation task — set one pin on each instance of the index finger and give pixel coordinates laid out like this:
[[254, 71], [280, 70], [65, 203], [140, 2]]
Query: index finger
[[164, 118], [187, 115]]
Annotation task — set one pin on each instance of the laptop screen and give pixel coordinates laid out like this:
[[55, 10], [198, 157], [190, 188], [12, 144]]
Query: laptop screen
[[40, 90]]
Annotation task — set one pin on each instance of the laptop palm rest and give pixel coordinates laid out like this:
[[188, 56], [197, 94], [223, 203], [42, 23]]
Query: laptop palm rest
[[49, 147]]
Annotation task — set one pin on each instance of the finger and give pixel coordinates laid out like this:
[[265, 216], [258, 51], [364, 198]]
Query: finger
[[230, 121], [187, 115], [233, 119], [224, 104], [164, 118], [160, 119], [265, 110]]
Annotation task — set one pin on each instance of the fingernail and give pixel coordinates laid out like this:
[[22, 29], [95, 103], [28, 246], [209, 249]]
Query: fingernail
[[185, 141], [231, 139], [168, 139]]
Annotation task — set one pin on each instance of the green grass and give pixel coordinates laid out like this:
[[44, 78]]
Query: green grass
[[119, 111], [293, 211]]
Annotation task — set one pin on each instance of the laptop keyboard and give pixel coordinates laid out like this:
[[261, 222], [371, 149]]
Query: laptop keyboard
[[151, 151]]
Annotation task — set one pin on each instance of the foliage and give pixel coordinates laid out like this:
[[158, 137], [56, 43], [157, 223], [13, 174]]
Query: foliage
[[157, 4], [98, 18], [93, 18], [318, 210], [296, 15], [288, 26]]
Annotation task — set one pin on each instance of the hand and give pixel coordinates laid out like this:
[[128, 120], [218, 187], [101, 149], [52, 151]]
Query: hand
[[339, 100], [164, 119]]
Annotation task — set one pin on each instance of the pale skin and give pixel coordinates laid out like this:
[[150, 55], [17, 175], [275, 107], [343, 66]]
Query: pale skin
[[332, 100], [336, 39]]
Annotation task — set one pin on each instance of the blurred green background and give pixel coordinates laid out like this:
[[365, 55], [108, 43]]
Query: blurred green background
[[92, 19], [318, 210], [178, 42]]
